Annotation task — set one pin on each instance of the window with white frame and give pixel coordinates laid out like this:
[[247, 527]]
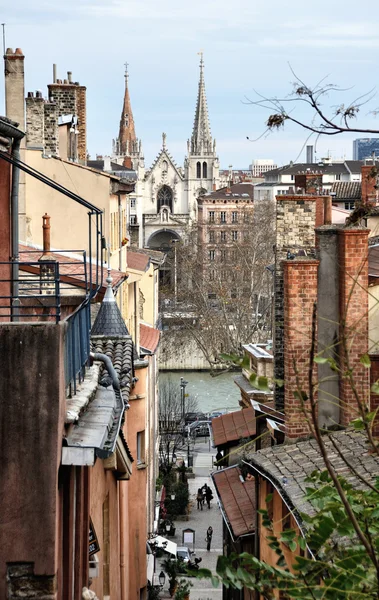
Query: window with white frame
[[132, 202], [211, 255], [223, 216], [234, 236]]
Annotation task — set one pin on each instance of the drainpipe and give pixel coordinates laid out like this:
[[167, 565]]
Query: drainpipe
[[120, 232], [109, 367], [123, 573], [9, 130]]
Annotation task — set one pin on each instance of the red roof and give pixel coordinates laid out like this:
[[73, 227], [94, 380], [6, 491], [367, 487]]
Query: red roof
[[237, 499], [70, 268], [233, 426], [138, 261], [149, 337]]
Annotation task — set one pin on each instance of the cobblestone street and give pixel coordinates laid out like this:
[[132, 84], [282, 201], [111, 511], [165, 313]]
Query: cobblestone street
[[200, 520]]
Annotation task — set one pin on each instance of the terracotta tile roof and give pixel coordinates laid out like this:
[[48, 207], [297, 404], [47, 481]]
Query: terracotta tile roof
[[149, 337], [347, 190], [138, 261], [288, 465], [233, 426], [70, 268], [237, 500], [120, 351]]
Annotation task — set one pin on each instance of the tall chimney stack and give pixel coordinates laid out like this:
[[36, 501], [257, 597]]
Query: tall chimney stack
[[54, 73], [14, 87]]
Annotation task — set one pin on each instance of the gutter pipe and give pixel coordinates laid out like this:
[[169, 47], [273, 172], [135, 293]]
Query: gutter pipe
[[10, 131], [109, 367]]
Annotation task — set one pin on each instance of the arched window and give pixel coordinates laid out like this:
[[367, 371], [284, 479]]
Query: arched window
[[164, 166], [198, 170], [164, 197], [205, 170]]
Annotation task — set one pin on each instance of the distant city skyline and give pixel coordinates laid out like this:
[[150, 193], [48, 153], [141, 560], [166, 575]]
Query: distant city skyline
[[245, 49]]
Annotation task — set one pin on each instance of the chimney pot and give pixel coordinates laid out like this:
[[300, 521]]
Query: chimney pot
[[9, 51], [69, 76], [19, 52], [65, 81], [30, 94], [54, 73], [46, 233]]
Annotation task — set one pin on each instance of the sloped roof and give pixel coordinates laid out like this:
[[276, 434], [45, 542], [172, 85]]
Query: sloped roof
[[295, 169], [288, 465], [109, 322], [120, 351], [233, 426], [237, 499], [231, 193], [138, 261], [347, 190], [69, 267], [149, 337]]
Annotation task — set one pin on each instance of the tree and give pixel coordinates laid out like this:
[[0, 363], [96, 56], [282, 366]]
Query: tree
[[323, 120], [171, 421], [223, 295], [343, 532]]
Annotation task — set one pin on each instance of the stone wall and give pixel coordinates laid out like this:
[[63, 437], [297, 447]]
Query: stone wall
[[23, 583], [70, 99], [35, 117], [51, 134]]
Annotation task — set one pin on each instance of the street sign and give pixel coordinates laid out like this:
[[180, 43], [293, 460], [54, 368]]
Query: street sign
[[93, 542], [188, 536]]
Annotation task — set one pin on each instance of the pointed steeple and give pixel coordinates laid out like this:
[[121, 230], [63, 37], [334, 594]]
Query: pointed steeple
[[201, 140], [109, 322], [127, 135]]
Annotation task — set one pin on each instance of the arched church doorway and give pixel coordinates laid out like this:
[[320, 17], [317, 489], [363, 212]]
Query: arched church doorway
[[165, 240]]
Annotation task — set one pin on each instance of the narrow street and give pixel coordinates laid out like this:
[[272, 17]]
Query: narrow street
[[200, 520]]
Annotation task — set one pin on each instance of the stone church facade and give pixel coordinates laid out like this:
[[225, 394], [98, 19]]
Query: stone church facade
[[165, 199]]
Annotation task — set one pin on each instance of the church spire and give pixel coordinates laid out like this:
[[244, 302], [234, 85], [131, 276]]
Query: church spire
[[127, 135], [201, 140]]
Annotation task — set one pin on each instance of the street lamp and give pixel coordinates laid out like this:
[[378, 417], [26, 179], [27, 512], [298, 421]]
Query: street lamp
[[162, 579], [173, 496], [174, 242], [183, 384], [174, 459]]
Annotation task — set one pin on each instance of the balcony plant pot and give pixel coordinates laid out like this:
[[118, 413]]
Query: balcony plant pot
[[173, 587]]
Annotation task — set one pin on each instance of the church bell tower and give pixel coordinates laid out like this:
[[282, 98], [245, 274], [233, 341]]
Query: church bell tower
[[202, 164]]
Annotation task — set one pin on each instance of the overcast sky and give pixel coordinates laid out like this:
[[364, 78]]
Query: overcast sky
[[247, 46]]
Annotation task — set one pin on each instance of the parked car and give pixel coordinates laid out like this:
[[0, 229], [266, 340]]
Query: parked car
[[184, 553], [215, 413], [191, 417]]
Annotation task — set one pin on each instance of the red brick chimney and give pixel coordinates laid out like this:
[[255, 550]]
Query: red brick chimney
[[300, 294], [353, 283], [369, 181]]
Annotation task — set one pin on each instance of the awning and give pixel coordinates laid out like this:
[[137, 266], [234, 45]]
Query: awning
[[96, 432], [237, 500], [234, 426], [166, 545]]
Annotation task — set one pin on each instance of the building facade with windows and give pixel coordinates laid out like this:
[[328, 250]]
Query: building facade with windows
[[224, 218], [365, 148], [165, 198]]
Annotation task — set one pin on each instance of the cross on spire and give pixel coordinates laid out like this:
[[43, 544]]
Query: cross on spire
[[126, 65]]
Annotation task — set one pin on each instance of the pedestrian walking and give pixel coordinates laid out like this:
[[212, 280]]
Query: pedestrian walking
[[219, 458], [208, 496], [208, 539], [200, 499]]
